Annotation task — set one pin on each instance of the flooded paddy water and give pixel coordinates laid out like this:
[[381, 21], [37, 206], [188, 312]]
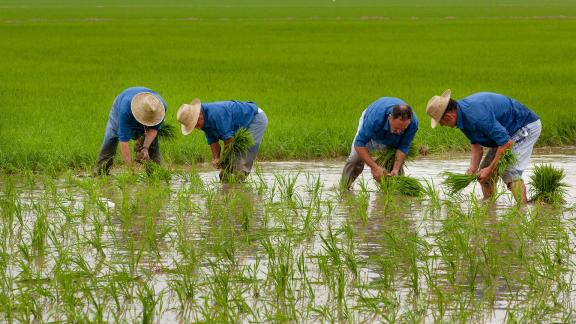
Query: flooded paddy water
[[286, 246]]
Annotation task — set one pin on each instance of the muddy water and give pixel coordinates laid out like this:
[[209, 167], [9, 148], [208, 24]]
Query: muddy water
[[423, 168], [407, 218]]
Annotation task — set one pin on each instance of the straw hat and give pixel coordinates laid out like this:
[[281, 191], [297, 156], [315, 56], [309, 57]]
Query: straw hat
[[147, 109], [188, 116], [437, 106]]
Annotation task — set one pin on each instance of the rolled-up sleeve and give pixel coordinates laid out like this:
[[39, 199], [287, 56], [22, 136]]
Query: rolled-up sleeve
[[210, 138]]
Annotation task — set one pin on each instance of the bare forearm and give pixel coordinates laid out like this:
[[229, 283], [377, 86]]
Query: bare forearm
[[150, 136], [499, 152], [215, 148], [399, 161], [477, 152], [364, 155], [125, 151]]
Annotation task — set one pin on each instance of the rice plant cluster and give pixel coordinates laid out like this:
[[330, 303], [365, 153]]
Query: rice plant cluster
[[403, 185], [547, 184], [278, 247], [232, 154], [456, 182], [312, 88], [386, 158]]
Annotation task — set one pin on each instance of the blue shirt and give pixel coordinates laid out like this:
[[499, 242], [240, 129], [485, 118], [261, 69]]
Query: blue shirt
[[490, 119], [222, 119], [124, 125], [376, 126]]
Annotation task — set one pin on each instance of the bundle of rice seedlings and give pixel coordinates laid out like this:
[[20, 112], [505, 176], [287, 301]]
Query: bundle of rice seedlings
[[403, 185], [156, 171], [387, 157], [507, 160], [240, 144], [167, 132], [455, 182], [547, 184]]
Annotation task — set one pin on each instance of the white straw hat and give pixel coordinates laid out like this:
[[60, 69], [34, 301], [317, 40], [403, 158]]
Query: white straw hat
[[437, 106], [147, 109], [188, 115]]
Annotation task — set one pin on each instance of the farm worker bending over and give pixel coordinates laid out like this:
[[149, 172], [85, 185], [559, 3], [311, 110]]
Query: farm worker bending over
[[386, 123], [137, 113], [495, 121], [220, 121]]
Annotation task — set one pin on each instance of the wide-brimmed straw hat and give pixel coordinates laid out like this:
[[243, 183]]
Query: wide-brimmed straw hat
[[188, 115], [147, 109], [437, 106]]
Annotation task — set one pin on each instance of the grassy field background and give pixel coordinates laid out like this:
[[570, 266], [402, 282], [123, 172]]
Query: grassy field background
[[313, 66]]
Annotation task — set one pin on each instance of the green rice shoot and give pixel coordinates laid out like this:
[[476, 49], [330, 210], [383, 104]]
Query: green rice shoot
[[167, 132], [154, 170], [547, 184], [507, 160], [387, 157], [240, 144], [402, 185], [456, 182]]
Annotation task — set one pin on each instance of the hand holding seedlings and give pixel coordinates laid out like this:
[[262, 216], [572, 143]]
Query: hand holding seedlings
[[378, 172], [484, 174]]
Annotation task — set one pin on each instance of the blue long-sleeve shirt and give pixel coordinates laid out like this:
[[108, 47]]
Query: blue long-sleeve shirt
[[376, 126], [223, 119], [123, 122], [490, 119]]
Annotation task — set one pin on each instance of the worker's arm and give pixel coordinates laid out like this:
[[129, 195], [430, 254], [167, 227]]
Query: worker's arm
[[477, 152], [486, 172], [151, 134], [398, 162], [364, 155], [125, 150], [215, 148]]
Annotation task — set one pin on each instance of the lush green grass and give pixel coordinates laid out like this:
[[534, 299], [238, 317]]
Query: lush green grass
[[313, 66]]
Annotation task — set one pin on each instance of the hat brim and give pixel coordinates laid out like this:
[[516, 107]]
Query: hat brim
[[445, 97], [152, 119], [189, 124]]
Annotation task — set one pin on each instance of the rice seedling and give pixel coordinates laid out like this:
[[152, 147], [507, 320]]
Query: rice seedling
[[402, 185], [167, 132], [547, 184], [386, 158], [155, 171], [456, 182], [232, 154]]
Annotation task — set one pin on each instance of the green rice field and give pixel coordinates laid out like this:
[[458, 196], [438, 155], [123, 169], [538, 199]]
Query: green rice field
[[313, 66], [170, 243]]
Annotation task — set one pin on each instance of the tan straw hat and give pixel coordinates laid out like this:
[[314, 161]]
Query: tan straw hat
[[147, 109], [188, 116], [437, 106]]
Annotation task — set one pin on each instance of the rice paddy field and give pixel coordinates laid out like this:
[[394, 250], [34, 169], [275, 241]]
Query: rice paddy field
[[172, 244], [313, 66], [287, 246]]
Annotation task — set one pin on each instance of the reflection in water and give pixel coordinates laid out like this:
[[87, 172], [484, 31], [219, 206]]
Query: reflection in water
[[286, 246]]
